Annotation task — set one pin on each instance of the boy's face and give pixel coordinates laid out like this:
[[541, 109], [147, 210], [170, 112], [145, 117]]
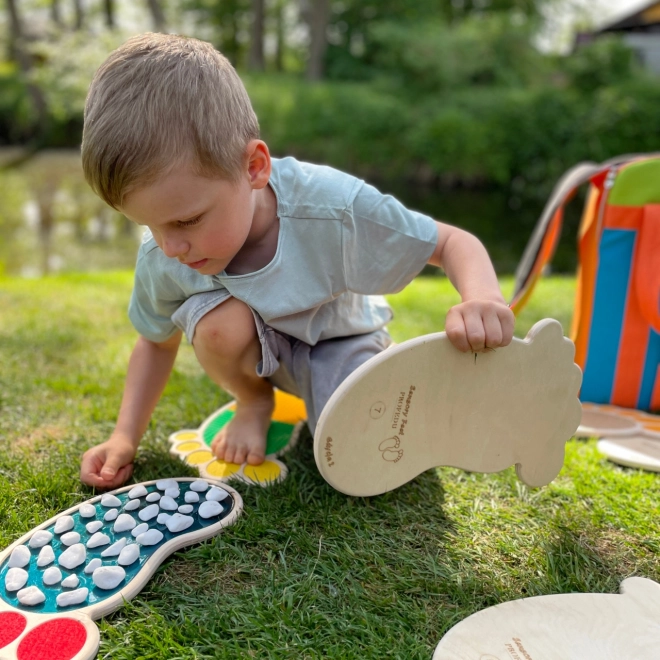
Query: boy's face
[[201, 222]]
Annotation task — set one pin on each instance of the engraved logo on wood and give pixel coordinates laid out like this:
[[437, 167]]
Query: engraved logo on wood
[[390, 449], [328, 452]]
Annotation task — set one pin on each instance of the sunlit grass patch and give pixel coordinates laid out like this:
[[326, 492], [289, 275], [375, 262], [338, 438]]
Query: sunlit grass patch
[[306, 572]]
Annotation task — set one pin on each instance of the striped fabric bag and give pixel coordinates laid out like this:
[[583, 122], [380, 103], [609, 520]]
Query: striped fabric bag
[[616, 320]]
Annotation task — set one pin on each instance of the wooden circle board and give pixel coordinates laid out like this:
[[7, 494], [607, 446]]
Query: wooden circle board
[[637, 451], [600, 420], [596, 423], [423, 404], [563, 627]]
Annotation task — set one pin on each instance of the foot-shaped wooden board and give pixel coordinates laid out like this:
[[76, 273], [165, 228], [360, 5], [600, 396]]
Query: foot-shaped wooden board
[[423, 404], [562, 627], [85, 562], [193, 446], [628, 437]]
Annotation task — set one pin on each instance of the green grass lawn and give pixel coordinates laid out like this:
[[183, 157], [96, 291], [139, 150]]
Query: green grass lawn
[[306, 572]]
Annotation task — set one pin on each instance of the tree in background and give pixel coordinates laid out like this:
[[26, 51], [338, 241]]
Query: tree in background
[[256, 60], [20, 53], [356, 36], [461, 74], [157, 15], [316, 14], [109, 13]]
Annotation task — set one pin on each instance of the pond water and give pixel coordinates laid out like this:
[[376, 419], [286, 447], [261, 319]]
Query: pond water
[[50, 221]]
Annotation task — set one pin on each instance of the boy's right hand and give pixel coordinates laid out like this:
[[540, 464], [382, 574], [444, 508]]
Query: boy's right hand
[[109, 464]]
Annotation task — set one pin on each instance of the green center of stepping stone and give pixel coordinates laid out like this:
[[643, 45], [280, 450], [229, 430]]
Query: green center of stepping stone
[[278, 438]]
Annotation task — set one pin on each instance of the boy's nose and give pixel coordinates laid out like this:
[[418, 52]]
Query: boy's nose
[[173, 247]]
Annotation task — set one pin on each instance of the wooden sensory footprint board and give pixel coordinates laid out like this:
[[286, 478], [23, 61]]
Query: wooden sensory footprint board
[[193, 446], [563, 627], [85, 562], [626, 436], [422, 404]]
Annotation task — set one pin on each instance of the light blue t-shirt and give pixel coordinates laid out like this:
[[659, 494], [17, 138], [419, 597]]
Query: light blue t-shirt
[[341, 246]]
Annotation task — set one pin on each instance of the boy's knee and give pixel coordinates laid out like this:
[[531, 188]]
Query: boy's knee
[[228, 329]]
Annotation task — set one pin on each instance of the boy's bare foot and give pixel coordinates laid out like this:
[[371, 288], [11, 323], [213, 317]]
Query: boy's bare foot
[[244, 438]]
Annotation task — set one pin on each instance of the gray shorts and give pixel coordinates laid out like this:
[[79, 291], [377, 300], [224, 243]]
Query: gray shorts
[[311, 372]]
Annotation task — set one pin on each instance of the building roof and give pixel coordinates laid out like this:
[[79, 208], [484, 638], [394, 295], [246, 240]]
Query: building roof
[[644, 19]]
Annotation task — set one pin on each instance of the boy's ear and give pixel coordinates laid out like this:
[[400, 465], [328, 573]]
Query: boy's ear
[[258, 163]]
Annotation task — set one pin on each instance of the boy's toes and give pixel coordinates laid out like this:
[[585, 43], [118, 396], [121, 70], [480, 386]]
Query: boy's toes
[[256, 457], [216, 443], [240, 455], [219, 450], [229, 454]]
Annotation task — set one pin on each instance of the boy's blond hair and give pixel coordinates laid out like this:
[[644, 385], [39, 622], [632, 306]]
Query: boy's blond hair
[[157, 100]]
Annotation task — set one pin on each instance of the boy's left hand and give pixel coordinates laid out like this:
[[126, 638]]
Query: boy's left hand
[[479, 325]]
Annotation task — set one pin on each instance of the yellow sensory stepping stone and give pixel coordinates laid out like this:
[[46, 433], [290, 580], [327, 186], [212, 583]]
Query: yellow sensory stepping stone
[[193, 446]]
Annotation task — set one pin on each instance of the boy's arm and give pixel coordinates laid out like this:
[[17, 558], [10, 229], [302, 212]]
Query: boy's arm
[[482, 320], [109, 464]]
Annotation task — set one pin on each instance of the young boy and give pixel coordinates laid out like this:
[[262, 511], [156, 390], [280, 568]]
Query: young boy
[[274, 269]]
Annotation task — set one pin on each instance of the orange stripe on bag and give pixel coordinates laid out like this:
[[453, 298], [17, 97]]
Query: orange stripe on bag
[[632, 354], [588, 253], [647, 267], [623, 217]]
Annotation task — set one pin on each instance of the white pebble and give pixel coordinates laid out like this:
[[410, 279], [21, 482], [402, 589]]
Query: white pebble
[[140, 529], [186, 508], [209, 509], [124, 523], [87, 510], [151, 537], [191, 497], [71, 582], [63, 524], [93, 565], [168, 503], [108, 577], [73, 556], [153, 497], [40, 538], [129, 554], [177, 523], [132, 505], [163, 518], [173, 492], [216, 494], [149, 512], [15, 579], [199, 485], [137, 491], [31, 596], [52, 575], [97, 540], [46, 556], [94, 526], [76, 597], [70, 538], [114, 549], [111, 515], [164, 484], [110, 500], [20, 557]]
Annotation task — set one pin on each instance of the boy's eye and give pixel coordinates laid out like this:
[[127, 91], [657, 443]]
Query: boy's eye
[[188, 223]]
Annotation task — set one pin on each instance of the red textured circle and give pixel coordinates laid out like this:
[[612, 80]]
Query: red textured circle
[[58, 639], [12, 625]]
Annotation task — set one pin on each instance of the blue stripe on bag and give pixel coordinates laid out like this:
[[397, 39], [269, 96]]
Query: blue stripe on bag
[[615, 250], [650, 371]]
